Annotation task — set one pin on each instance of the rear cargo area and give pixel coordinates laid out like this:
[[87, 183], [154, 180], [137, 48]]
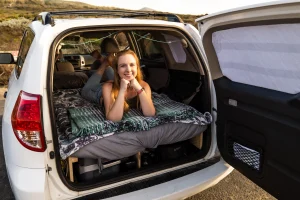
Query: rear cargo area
[[94, 151]]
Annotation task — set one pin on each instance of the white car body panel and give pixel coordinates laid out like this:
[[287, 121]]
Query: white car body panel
[[266, 11], [28, 184]]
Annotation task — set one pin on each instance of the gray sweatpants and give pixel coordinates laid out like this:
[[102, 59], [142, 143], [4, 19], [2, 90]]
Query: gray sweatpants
[[92, 90]]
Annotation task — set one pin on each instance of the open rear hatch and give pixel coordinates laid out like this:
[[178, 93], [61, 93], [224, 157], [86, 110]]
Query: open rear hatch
[[254, 54]]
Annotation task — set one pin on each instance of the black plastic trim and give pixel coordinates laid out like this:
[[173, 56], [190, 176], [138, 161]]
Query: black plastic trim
[[121, 13], [138, 185]]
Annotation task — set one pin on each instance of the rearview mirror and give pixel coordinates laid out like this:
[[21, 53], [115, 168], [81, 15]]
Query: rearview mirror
[[6, 58]]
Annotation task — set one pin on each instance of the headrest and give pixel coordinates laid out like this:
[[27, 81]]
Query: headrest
[[69, 80], [64, 67], [109, 45]]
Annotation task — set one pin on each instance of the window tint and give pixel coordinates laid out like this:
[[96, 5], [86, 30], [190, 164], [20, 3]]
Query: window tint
[[266, 56], [25, 45], [176, 47], [149, 48], [79, 44]]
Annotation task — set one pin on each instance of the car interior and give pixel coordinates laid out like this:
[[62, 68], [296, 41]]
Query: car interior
[[171, 66]]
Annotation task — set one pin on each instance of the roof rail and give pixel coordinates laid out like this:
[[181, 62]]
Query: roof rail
[[170, 17], [46, 17]]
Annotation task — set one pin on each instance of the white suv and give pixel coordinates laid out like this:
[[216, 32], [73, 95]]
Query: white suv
[[243, 68]]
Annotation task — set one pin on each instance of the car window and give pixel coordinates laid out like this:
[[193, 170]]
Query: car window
[[266, 56], [76, 44], [148, 45], [176, 47], [24, 48]]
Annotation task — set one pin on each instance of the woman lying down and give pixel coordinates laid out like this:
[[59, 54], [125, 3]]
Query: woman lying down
[[123, 87], [128, 89], [134, 118]]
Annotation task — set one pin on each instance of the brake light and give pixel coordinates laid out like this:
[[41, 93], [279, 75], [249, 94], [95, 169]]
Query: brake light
[[26, 122]]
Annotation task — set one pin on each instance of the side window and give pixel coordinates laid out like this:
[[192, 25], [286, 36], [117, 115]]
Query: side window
[[149, 48], [266, 56], [122, 40], [176, 47], [24, 48]]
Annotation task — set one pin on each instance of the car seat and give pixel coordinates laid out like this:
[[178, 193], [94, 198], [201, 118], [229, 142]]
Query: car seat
[[183, 78], [64, 66], [109, 45]]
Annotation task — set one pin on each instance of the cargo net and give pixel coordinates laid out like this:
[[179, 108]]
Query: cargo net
[[246, 155]]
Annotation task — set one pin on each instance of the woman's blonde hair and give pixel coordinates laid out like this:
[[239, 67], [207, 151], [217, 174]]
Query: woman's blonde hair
[[117, 80]]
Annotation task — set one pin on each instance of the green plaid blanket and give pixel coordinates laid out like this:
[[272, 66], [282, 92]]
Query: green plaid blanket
[[91, 120]]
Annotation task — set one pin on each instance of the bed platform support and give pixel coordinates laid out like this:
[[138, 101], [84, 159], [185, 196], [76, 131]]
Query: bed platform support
[[71, 160], [138, 157], [197, 141]]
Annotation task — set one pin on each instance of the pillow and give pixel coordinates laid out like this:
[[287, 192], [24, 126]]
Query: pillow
[[69, 80]]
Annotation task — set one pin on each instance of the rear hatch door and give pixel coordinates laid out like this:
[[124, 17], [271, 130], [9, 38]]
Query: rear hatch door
[[254, 58]]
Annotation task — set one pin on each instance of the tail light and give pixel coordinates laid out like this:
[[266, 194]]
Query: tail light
[[26, 122]]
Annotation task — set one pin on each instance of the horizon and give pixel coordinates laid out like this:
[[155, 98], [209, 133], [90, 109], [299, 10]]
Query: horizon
[[182, 6]]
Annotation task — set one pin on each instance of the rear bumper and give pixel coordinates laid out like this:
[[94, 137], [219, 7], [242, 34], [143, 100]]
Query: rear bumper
[[30, 184], [26, 183], [183, 187], [178, 188]]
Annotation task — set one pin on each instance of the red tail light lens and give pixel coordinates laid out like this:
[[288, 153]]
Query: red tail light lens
[[26, 122]]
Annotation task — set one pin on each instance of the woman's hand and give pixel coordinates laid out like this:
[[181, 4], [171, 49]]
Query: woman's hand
[[146, 99], [113, 107], [124, 84], [135, 84]]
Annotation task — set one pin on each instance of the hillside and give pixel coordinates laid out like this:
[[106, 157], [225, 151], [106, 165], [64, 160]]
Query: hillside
[[16, 14]]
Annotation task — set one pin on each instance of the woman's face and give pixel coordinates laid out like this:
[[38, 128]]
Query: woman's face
[[127, 67]]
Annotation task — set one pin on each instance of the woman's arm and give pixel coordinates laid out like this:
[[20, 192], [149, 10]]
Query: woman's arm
[[114, 109], [145, 99]]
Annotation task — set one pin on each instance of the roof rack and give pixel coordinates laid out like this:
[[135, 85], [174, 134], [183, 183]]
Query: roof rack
[[47, 17], [170, 17]]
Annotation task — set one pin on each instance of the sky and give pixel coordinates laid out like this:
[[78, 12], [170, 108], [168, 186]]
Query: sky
[[193, 7]]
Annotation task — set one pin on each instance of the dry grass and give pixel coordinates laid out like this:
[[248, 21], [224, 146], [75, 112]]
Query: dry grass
[[16, 14], [5, 71]]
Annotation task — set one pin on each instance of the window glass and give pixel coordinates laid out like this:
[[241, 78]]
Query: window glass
[[76, 44], [25, 45], [176, 47], [266, 56], [149, 47]]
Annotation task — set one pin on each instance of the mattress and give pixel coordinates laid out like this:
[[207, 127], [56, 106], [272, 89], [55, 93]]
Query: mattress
[[129, 143], [112, 146]]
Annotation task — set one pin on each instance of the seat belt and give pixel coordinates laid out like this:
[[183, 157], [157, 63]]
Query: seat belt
[[188, 100]]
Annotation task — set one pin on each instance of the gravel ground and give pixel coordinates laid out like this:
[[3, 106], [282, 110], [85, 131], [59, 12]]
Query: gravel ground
[[235, 186]]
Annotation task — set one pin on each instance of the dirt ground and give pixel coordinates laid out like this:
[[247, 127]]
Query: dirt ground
[[234, 187]]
